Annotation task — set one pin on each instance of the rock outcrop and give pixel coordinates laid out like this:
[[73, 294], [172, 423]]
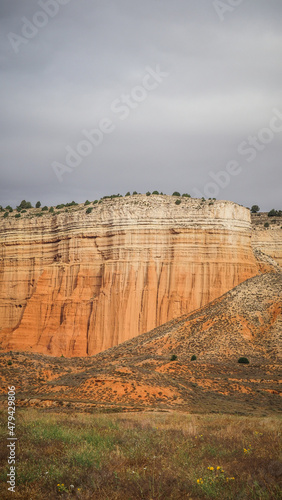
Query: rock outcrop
[[75, 284]]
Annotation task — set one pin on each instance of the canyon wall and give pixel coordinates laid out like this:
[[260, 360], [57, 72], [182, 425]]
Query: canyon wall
[[74, 284], [268, 239]]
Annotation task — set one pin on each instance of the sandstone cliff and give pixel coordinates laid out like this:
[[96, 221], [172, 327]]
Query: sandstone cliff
[[76, 283], [268, 239]]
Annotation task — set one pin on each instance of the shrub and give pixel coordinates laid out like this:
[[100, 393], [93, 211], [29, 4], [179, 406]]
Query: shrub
[[155, 192], [6, 214], [17, 216], [176, 193], [203, 198], [243, 360], [71, 204], [87, 202], [128, 193], [1, 208], [134, 192], [273, 213], [173, 357], [9, 362], [25, 204], [255, 209], [148, 193], [193, 358], [58, 207], [9, 208], [23, 211], [89, 210], [44, 209], [177, 202], [95, 202], [266, 224], [185, 195], [51, 210], [38, 204]]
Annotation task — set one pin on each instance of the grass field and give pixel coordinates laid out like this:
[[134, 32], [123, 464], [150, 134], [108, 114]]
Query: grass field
[[148, 455]]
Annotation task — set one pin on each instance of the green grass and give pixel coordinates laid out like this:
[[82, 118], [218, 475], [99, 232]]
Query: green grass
[[143, 456]]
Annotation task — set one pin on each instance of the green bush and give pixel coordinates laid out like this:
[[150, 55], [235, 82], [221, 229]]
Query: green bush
[[203, 198], [134, 192], [44, 209], [23, 211], [243, 360], [173, 357], [266, 224], [71, 204], [176, 193], [155, 192], [275, 213], [186, 195], [25, 204], [148, 193], [38, 204], [9, 362], [9, 208], [95, 202], [255, 209], [6, 214], [128, 193], [17, 216], [87, 202], [58, 207], [177, 202], [51, 210], [89, 210], [193, 358]]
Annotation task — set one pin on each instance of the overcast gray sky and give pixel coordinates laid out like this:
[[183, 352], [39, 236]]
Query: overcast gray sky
[[179, 95]]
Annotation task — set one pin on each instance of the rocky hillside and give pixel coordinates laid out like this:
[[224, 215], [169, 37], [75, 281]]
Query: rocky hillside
[[74, 283], [143, 373], [267, 235]]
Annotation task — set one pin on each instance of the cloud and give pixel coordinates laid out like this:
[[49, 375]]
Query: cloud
[[224, 80]]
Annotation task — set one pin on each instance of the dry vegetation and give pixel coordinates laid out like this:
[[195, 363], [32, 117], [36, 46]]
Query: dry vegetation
[[149, 455]]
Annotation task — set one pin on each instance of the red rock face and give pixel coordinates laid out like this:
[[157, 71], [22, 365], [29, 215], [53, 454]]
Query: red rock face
[[76, 284]]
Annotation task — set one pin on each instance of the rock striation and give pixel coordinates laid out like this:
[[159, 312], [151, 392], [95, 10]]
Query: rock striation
[[75, 284], [268, 239]]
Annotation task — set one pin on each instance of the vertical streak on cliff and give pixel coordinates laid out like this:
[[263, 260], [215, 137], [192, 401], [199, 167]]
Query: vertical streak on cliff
[[88, 328]]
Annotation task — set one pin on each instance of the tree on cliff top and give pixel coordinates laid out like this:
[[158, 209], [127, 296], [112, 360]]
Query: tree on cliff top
[[255, 209], [24, 204]]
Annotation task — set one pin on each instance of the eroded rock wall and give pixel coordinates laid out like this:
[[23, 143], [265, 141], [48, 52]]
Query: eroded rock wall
[[76, 283]]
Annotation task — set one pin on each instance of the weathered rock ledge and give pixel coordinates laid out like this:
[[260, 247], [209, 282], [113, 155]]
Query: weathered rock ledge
[[75, 284]]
